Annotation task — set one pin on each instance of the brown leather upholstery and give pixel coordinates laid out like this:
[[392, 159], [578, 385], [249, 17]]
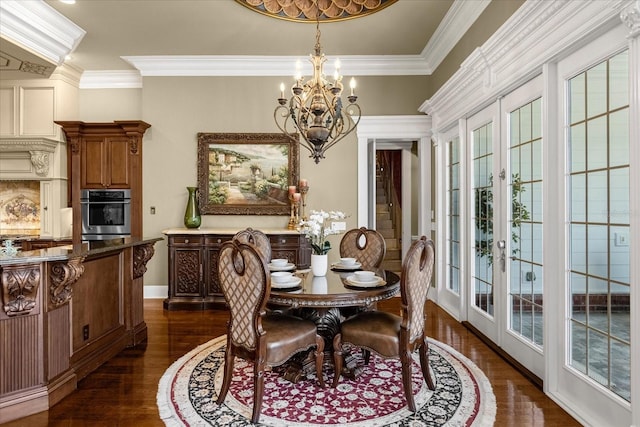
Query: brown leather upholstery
[[257, 238], [393, 336], [365, 245], [265, 339]]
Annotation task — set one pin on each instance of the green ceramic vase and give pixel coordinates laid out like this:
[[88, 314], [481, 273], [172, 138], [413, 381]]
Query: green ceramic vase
[[192, 217]]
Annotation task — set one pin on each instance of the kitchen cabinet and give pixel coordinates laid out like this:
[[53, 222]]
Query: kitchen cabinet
[[104, 155], [194, 283], [105, 163]]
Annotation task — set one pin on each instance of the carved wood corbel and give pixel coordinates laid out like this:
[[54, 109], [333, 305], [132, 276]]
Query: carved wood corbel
[[141, 255], [19, 289], [63, 275]]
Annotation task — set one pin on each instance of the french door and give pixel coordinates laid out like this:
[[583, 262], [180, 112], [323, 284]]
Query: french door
[[505, 274]]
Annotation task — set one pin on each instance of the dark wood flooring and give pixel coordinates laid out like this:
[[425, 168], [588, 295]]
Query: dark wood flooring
[[122, 392]]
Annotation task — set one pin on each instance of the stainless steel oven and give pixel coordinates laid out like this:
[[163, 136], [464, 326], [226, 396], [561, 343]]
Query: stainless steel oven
[[106, 214]]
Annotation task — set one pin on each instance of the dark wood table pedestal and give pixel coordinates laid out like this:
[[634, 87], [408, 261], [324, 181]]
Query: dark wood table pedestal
[[327, 301]]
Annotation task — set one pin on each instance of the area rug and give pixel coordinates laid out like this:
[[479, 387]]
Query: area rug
[[463, 396]]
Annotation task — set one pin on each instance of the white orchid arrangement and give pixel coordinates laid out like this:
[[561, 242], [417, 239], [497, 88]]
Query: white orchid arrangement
[[319, 227]]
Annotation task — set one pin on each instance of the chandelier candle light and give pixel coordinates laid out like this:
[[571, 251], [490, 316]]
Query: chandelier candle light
[[315, 110]]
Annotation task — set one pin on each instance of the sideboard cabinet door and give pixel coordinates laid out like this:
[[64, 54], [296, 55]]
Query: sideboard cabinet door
[[186, 255]]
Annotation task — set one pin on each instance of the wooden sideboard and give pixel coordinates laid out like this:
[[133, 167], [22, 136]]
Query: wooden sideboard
[[193, 263]]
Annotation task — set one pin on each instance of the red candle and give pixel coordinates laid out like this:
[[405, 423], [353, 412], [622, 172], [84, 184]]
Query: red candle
[[292, 189], [296, 197], [303, 183]]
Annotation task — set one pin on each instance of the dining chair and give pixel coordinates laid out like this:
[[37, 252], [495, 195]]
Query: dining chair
[[392, 336], [257, 238], [267, 340], [366, 245]]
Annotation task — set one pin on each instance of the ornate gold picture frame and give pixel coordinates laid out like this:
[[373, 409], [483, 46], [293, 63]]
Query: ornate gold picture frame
[[246, 173]]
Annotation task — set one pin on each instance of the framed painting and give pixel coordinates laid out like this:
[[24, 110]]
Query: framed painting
[[246, 173]]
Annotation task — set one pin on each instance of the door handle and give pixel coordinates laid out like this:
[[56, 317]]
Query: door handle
[[501, 244]]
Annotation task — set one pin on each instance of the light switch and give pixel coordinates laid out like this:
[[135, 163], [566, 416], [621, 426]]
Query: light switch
[[153, 210]]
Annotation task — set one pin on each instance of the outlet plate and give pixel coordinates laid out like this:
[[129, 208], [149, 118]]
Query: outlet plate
[[85, 332]]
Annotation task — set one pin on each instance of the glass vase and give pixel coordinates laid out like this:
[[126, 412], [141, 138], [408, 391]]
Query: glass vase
[[192, 217], [319, 264]]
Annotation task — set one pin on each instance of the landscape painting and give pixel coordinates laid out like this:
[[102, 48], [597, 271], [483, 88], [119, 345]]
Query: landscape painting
[[246, 173]]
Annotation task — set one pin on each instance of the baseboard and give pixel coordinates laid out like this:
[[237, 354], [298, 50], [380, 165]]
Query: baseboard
[[155, 292]]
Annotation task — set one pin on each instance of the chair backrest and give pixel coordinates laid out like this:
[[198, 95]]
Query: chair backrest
[[246, 284], [417, 270], [366, 245], [257, 238]]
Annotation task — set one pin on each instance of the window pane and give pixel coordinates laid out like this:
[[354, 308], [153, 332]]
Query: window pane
[[597, 143], [577, 99], [597, 90], [618, 82], [578, 150], [619, 138], [597, 197]]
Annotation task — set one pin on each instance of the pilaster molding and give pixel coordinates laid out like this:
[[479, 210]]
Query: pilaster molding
[[63, 275], [630, 16], [19, 289], [538, 32]]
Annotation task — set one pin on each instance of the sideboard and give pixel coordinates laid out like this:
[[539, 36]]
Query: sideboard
[[193, 263]]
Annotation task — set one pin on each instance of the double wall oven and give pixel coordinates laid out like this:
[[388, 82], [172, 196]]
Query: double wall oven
[[106, 214]]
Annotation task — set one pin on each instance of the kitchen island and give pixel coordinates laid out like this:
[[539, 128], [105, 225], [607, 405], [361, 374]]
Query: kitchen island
[[65, 311]]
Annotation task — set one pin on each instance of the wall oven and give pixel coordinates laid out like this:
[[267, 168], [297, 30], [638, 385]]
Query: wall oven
[[106, 214]]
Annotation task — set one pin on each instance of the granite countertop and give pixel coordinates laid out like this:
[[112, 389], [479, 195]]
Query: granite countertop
[[72, 251]]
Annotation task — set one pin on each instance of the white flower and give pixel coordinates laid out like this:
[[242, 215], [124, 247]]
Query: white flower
[[317, 229]]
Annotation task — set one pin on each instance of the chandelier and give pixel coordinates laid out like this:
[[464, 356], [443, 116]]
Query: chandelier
[[315, 110]]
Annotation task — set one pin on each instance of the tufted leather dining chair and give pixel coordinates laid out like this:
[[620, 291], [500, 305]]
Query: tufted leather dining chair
[[257, 238], [393, 336], [266, 340], [365, 245]]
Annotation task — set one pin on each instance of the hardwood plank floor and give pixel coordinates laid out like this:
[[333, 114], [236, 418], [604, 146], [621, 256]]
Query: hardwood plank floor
[[122, 392]]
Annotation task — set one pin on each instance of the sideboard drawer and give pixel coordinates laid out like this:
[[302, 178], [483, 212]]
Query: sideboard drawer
[[180, 240]]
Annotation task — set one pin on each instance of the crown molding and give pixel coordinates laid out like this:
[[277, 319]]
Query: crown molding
[[240, 65], [457, 21], [37, 27], [117, 79], [537, 33]]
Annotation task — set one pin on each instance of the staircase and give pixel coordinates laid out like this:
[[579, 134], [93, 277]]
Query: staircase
[[387, 227]]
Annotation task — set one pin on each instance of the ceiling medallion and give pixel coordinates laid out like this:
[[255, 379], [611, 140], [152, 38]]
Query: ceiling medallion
[[308, 10]]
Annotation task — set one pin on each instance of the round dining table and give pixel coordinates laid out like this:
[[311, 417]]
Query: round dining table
[[326, 300]]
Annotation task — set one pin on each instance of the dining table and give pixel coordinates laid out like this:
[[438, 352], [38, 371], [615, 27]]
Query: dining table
[[327, 300]]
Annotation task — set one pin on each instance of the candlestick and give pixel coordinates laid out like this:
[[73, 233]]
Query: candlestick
[[304, 189], [292, 217]]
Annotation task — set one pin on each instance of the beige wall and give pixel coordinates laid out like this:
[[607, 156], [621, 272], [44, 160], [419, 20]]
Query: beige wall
[[179, 107]]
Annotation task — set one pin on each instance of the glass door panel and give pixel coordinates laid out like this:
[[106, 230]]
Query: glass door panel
[[598, 184]]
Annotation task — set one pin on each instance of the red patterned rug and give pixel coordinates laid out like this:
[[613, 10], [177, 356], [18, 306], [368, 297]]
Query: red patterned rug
[[463, 396]]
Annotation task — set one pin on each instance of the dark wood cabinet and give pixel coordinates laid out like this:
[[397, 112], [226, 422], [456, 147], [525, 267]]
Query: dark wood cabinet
[[105, 163], [193, 264], [104, 155]]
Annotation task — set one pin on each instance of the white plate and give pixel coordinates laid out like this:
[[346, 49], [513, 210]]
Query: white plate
[[350, 267], [379, 281], [286, 267], [295, 281]]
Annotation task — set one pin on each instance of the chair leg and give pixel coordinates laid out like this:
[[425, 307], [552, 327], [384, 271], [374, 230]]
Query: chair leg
[[337, 359], [424, 365], [405, 359], [229, 359], [319, 355], [366, 355], [258, 390]]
